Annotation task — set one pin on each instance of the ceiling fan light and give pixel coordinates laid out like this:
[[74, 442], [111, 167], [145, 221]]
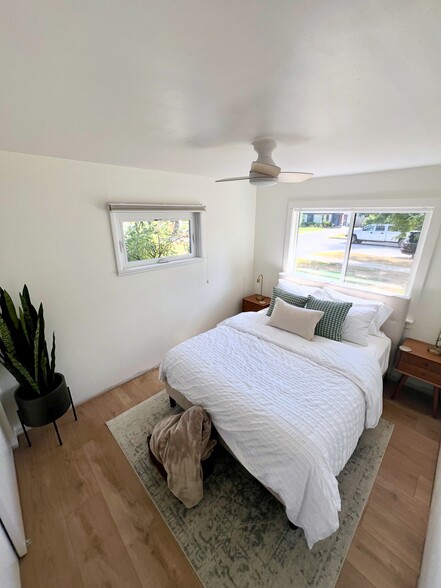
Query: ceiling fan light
[[262, 181]]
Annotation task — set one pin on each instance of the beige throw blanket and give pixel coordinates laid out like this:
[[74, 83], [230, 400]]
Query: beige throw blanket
[[180, 442]]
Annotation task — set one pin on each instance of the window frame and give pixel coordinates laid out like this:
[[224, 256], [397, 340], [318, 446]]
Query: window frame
[[121, 213], [292, 228]]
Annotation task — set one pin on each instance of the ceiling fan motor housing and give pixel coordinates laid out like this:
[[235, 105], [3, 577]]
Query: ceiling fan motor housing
[[264, 169], [264, 164]]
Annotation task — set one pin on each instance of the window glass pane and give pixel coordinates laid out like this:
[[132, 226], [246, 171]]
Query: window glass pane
[[321, 243], [156, 239], [382, 252]]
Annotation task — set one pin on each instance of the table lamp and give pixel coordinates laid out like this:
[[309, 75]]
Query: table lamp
[[437, 349], [260, 281]]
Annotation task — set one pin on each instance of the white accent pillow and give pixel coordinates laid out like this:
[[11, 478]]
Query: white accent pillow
[[299, 289], [356, 325], [383, 311], [294, 319]]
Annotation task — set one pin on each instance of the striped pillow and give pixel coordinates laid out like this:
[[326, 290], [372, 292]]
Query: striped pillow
[[287, 297], [331, 324]]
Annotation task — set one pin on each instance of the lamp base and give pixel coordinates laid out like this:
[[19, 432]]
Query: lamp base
[[434, 350], [259, 297]]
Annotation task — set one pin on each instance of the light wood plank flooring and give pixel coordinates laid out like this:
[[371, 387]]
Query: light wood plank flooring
[[92, 524]]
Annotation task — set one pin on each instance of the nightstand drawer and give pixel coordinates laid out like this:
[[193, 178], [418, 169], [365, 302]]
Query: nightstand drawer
[[427, 374], [420, 362], [251, 306]]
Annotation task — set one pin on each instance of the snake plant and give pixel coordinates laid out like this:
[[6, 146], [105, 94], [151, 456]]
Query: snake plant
[[23, 348]]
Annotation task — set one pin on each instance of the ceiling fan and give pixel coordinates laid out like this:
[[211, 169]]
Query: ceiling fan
[[264, 172]]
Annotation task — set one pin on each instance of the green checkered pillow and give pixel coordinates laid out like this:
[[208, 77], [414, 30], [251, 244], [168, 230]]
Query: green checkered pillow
[[331, 323], [287, 297]]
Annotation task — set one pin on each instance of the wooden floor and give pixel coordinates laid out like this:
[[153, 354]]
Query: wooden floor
[[92, 524]]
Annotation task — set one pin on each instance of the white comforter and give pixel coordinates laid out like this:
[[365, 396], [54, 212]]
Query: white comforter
[[291, 410]]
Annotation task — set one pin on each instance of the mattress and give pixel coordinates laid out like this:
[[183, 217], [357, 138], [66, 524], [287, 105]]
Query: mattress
[[290, 410], [378, 348]]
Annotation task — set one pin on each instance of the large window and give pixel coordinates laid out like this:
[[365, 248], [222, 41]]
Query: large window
[[376, 250], [152, 236]]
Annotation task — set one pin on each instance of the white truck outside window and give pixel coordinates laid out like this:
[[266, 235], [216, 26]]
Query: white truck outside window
[[381, 233]]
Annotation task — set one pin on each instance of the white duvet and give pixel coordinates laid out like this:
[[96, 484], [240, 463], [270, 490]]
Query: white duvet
[[291, 410]]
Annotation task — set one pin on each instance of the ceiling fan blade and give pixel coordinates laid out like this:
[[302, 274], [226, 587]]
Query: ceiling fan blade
[[233, 179], [294, 177]]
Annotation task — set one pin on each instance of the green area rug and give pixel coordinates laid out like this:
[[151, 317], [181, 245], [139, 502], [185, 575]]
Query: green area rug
[[238, 536]]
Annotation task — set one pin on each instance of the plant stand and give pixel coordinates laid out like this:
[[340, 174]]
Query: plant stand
[[54, 421]]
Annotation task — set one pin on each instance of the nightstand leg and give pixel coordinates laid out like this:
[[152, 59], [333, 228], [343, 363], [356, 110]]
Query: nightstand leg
[[400, 384], [435, 401]]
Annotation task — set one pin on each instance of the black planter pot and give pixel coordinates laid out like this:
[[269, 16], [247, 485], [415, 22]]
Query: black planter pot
[[40, 411]]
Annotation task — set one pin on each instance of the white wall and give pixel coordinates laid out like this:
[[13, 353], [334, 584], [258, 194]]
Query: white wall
[[409, 187], [55, 237]]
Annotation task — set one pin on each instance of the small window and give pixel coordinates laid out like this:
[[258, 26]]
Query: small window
[[379, 228], [152, 236]]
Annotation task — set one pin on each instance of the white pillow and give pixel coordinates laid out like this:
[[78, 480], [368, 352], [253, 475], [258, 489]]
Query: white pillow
[[294, 319], [383, 311], [356, 325], [299, 289]]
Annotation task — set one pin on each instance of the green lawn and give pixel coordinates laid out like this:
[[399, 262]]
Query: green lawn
[[310, 229]]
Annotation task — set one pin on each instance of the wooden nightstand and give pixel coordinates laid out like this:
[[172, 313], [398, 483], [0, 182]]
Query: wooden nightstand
[[251, 303], [420, 364]]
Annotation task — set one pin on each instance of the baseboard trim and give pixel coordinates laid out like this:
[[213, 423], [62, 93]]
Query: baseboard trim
[[119, 384], [18, 430]]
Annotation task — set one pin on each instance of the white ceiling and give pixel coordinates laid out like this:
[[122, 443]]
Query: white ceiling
[[344, 86]]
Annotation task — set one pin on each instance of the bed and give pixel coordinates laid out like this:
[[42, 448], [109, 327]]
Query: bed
[[290, 410]]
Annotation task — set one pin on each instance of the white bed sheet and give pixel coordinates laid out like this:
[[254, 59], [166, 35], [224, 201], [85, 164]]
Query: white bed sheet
[[378, 347], [291, 410]]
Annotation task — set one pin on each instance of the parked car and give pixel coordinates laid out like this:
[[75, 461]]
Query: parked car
[[382, 233], [410, 244]]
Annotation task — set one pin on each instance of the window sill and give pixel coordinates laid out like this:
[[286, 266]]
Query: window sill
[[342, 286], [156, 266]]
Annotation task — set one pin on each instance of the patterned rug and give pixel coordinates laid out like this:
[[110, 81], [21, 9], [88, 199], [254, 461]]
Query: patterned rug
[[238, 536]]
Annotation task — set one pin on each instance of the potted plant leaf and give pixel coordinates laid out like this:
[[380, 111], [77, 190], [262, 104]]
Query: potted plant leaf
[[42, 395]]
